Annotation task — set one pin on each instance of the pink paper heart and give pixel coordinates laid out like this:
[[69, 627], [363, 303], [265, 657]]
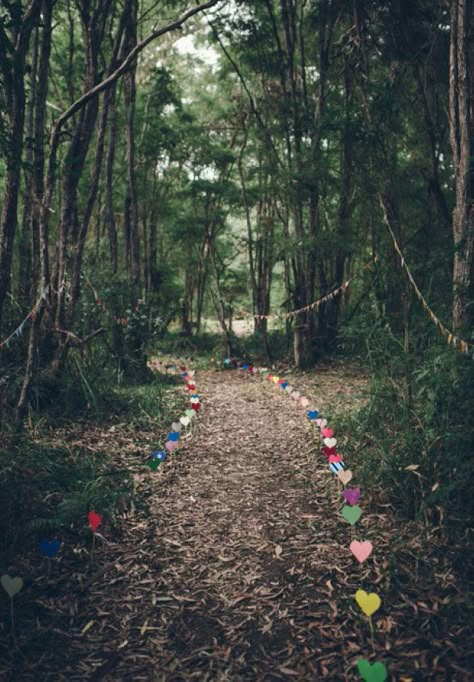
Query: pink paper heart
[[304, 401], [327, 433], [323, 423], [171, 445], [361, 550], [296, 395], [334, 459]]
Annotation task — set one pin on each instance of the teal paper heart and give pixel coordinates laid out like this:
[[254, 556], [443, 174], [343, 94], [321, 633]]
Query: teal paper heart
[[371, 673], [351, 514]]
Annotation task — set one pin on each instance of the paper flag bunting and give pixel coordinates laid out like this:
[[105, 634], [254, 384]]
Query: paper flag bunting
[[369, 603], [11, 585]]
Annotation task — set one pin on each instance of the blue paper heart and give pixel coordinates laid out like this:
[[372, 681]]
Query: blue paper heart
[[159, 454], [173, 435], [312, 414], [183, 374], [195, 395], [227, 361], [50, 547], [284, 385]]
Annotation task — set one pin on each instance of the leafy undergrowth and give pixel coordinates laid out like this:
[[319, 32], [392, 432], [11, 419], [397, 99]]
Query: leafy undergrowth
[[53, 475]]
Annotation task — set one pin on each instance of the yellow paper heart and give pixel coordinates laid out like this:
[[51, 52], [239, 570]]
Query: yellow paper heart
[[369, 603], [11, 585], [275, 380]]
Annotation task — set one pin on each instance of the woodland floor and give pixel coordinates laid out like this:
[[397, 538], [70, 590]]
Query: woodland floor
[[239, 567]]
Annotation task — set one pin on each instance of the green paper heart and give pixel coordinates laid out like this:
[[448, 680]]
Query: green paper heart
[[190, 413], [371, 673], [351, 514], [154, 464]]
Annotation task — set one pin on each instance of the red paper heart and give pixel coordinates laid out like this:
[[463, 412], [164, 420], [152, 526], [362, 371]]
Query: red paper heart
[[94, 520], [191, 387], [329, 451], [334, 459], [328, 433], [195, 406], [183, 368]]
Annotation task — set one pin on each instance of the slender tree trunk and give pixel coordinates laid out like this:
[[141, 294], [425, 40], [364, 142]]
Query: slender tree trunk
[[461, 110]]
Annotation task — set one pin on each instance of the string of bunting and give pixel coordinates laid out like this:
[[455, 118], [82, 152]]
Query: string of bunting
[[324, 299], [461, 345], [18, 332], [369, 603], [31, 316], [119, 319]]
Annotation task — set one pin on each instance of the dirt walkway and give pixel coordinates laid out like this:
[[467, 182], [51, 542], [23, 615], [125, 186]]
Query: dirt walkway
[[240, 570]]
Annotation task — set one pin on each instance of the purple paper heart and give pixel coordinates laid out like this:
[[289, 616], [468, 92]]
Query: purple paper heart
[[351, 495]]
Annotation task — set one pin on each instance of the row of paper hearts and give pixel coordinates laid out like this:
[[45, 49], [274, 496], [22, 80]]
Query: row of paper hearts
[[368, 603]]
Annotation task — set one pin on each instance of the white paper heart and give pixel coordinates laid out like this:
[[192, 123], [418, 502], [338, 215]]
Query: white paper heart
[[330, 442], [323, 423], [176, 426], [289, 390], [11, 585], [191, 372], [184, 421]]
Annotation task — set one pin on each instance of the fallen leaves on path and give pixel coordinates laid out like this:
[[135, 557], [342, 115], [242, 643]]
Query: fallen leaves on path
[[239, 568]]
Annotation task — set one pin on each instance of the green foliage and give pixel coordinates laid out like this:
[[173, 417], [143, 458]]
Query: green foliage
[[415, 434]]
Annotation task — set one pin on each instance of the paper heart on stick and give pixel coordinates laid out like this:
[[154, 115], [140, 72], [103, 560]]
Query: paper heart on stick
[[376, 672], [351, 514], [50, 547], [184, 421], [361, 550], [11, 585], [369, 603], [94, 519], [351, 495], [345, 476], [327, 433], [330, 442]]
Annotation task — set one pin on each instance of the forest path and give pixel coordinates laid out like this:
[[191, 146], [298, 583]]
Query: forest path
[[238, 568]]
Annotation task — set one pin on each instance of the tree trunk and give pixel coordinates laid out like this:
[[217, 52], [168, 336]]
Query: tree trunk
[[461, 109]]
